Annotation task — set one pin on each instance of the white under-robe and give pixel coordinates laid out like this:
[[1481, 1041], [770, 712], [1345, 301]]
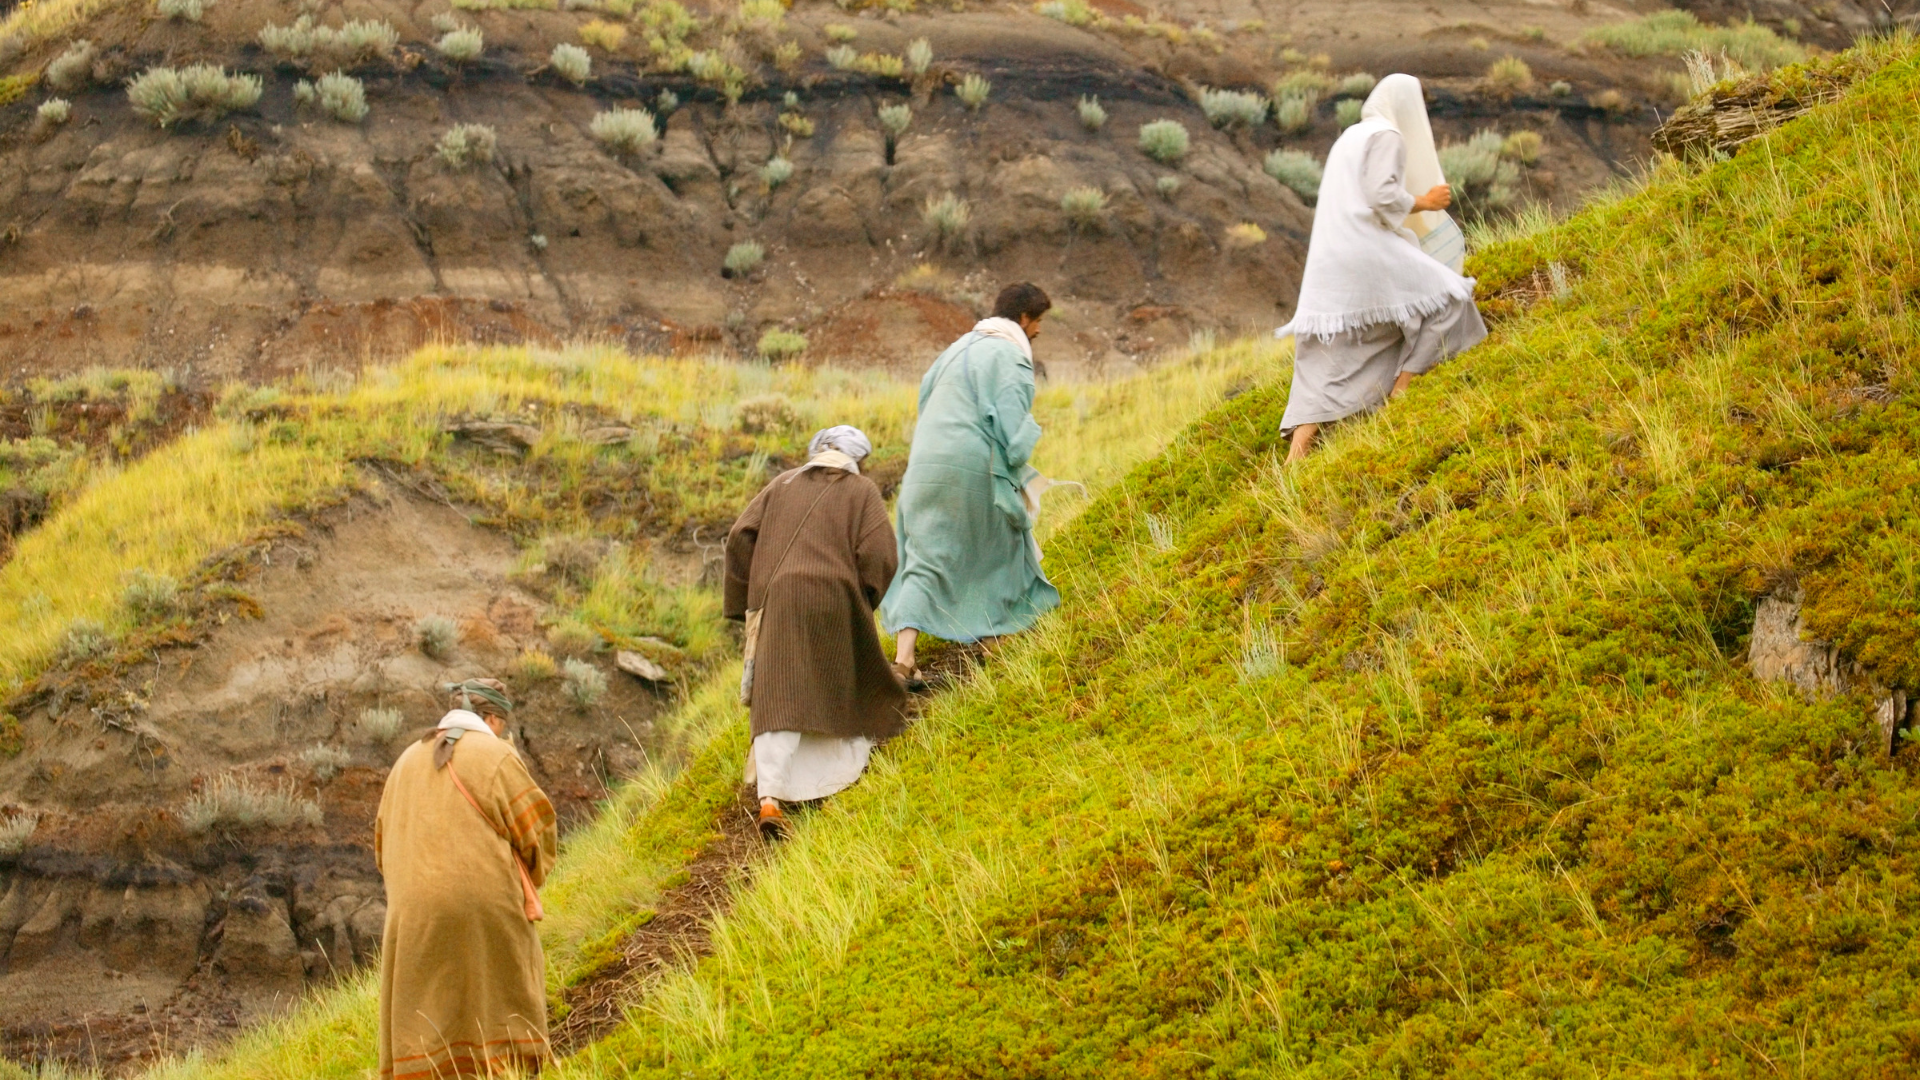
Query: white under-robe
[[799, 766]]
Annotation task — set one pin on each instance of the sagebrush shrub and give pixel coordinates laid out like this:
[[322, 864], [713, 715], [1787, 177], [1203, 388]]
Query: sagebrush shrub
[[150, 596], [946, 215], [625, 131], [1358, 85], [84, 640], [573, 638], [1296, 169], [571, 62], [1294, 113], [342, 97], [463, 145], [1523, 147], [744, 258], [1083, 206], [1165, 141], [842, 57], [1168, 186], [772, 413], [168, 96], [325, 761], [1510, 75], [841, 33], [1234, 108], [776, 171], [895, 118], [355, 41], [919, 56], [462, 45], [54, 111], [73, 69], [775, 345], [436, 636], [16, 831], [973, 91], [1346, 112], [583, 683], [184, 10]]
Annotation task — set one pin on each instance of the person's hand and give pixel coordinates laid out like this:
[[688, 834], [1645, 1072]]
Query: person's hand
[[1438, 197]]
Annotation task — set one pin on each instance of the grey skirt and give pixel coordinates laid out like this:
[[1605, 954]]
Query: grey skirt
[[1354, 372]]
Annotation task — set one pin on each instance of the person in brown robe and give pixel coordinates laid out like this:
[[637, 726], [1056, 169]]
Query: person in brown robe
[[807, 561], [462, 977]]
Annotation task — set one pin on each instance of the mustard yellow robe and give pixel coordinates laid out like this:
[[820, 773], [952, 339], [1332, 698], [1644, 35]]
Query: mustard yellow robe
[[462, 977]]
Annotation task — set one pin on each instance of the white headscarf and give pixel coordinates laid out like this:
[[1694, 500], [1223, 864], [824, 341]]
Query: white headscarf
[[842, 446], [1398, 102], [1006, 330], [463, 720]]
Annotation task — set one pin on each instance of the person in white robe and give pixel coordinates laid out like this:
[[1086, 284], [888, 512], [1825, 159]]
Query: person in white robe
[[1378, 305]]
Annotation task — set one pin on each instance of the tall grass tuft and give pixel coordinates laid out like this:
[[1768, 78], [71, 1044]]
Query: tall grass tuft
[[325, 761], [1675, 33], [1509, 75], [946, 216], [1083, 206], [436, 636], [1093, 115], [182, 10], [381, 723], [16, 831], [919, 56], [1165, 141], [237, 802]]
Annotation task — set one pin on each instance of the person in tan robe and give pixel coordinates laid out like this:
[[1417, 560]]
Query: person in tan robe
[[807, 561], [462, 977]]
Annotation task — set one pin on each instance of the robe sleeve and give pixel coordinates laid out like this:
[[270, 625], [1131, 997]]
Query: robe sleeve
[[876, 553], [1383, 171], [531, 826], [1008, 399], [740, 544]]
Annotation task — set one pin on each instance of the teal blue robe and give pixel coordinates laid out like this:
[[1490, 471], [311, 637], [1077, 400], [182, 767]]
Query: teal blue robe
[[969, 567]]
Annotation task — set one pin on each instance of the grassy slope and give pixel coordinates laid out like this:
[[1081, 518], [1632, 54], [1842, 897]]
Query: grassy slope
[[610, 873], [1511, 803]]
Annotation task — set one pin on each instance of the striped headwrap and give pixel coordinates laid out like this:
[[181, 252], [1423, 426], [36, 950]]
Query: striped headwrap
[[488, 691]]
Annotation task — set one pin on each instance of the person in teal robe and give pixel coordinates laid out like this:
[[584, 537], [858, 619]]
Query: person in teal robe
[[969, 566]]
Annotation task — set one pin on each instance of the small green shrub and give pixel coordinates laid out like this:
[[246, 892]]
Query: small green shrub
[[1071, 12], [1482, 179], [776, 171], [183, 10], [535, 666], [464, 145], [624, 131], [1675, 33], [381, 724], [1560, 88], [1083, 206], [1168, 186], [1509, 75], [841, 33], [303, 95], [1093, 116], [1357, 85], [436, 636], [84, 640], [325, 761], [1523, 147], [168, 96], [342, 97], [895, 118], [1234, 108], [73, 69], [744, 258], [150, 597], [946, 216], [354, 42], [1294, 114], [842, 57], [242, 803], [880, 65], [1296, 169], [1346, 112], [54, 111], [1312, 85], [973, 91], [776, 345], [919, 56], [571, 63], [461, 46], [1165, 141], [583, 683], [603, 35]]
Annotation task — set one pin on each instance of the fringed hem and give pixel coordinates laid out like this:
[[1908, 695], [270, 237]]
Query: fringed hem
[[1329, 326]]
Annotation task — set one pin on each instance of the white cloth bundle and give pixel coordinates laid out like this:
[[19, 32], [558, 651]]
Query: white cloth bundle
[[1006, 330]]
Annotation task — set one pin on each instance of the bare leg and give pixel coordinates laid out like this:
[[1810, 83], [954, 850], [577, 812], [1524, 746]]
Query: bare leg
[[903, 643], [1302, 441], [766, 801], [1400, 384]]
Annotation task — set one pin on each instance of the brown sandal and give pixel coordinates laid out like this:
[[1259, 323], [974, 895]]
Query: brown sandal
[[909, 676]]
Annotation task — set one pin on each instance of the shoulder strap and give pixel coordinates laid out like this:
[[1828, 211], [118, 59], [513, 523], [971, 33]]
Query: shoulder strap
[[804, 518], [528, 894]]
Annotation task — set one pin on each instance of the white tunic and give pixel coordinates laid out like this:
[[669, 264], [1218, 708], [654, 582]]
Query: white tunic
[[798, 766]]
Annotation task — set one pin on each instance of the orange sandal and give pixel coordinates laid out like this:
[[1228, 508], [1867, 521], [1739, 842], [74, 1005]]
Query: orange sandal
[[774, 824]]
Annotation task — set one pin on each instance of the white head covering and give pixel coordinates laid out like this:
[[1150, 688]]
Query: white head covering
[[1398, 102], [1006, 330], [463, 720], [839, 447]]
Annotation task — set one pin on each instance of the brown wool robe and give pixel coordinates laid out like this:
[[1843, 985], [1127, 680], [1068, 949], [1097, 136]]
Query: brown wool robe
[[462, 977], [818, 666]]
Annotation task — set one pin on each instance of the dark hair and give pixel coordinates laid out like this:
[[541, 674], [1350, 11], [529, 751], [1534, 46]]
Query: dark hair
[[1022, 300]]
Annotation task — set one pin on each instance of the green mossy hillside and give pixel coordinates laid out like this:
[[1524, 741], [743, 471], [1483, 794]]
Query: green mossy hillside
[[1437, 755]]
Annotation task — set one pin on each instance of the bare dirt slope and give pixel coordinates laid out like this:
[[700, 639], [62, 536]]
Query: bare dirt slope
[[120, 931], [274, 239]]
